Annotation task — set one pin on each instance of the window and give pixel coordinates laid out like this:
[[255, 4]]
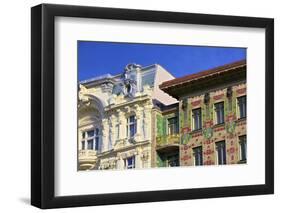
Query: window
[[221, 153], [91, 139], [197, 120], [130, 162], [173, 160], [131, 126], [241, 101], [198, 157], [243, 148], [90, 144], [219, 113], [172, 126]]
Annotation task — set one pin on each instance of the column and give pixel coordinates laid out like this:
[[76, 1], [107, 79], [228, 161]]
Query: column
[[79, 132], [138, 161], [104, 134], [122, 124], [139, 115], [120, 163], [147, 122], [111, 140]]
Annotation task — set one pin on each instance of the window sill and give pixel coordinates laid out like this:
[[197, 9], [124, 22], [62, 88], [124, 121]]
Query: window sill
[[196, 131], [242, 161], [219, 125], [241, 119]]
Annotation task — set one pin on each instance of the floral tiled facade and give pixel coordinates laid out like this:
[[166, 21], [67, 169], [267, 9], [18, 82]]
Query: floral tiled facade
[[211, 133], [212, 116]]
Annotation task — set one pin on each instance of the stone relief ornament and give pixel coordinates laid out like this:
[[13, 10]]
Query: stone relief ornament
[[82, 93], [127, 85]]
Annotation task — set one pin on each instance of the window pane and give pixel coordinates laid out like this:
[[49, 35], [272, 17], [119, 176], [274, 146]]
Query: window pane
[[131, 126], [132, 119], [131, 162], [196, 114], [242, 106], [219, 108], [90, 144], [221, 152], [172, 126], [243, 148], [97, 131], [198, 158], [200, 120], [91, 133], [132, 130]]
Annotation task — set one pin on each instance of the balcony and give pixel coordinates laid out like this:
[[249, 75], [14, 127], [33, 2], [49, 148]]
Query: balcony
[[87, 159], [168, 140], [167, 144]]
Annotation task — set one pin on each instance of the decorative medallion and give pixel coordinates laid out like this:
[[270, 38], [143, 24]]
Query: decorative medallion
[[207, 129], [186, 136], [196, 103], [230, 123], [241, 90], [218, 97]]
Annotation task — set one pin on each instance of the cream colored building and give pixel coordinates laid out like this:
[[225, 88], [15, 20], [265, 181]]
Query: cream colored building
[[115, 119]]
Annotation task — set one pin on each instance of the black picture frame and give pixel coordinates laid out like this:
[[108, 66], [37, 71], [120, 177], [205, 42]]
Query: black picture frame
[[43, 105]]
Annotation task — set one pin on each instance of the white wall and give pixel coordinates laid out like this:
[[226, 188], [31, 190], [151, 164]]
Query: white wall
[[161, 76], [15, 105]]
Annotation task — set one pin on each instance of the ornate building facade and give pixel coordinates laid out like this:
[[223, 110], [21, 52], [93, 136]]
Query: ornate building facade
[[144, 117], [212, 115], [115, 116]]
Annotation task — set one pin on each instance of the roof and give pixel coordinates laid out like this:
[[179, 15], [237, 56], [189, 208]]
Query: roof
[[203, 74], [105, 76]]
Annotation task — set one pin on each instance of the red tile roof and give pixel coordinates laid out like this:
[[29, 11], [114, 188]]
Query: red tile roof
[[203, 74]]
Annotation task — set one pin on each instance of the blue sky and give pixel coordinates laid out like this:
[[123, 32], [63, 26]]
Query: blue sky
[[98, 58]]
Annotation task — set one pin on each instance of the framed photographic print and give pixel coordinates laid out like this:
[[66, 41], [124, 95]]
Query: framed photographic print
[[139, 106]]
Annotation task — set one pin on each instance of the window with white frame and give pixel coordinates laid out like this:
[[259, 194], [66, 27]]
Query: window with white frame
[[242, 111], [130, 162], [131, 126], [219, 112], [197, 155], [221, 152], [243, 148], [196, 119], [90, 140]]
